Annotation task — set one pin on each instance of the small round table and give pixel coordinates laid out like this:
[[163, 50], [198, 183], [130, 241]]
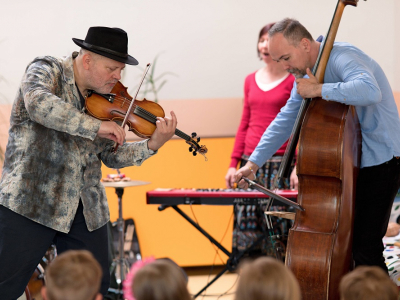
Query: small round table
[[121, 263]]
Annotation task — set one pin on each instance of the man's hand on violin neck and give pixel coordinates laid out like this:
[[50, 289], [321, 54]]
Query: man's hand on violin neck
[[165, 130], [112, 131]]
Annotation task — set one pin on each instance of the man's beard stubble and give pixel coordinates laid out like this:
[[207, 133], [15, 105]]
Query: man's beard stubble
[[297, 72]]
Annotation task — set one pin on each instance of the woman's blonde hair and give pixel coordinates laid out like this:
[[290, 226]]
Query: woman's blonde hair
[[268, 279]]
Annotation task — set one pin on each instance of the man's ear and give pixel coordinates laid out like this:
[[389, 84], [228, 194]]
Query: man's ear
[[86, 61], [43, 291], [305, 44]]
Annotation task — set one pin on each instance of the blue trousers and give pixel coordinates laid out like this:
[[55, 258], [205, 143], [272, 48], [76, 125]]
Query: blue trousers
[[23, 243], [376, 189]]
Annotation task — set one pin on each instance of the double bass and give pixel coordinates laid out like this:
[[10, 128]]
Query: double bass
[[319, 248]]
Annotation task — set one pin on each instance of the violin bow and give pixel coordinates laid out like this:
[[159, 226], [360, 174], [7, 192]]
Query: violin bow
[[114, 149], [273, 195]]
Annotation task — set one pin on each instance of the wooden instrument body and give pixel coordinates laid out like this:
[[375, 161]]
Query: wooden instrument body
[[100, 108], [320, 241], [142, 117]]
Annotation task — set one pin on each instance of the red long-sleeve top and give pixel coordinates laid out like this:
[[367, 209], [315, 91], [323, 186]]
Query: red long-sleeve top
[[259, 110]]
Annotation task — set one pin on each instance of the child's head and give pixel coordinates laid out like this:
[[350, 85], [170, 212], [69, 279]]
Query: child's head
[[367, 283], [268, 279], [158, 279], [73, 275]]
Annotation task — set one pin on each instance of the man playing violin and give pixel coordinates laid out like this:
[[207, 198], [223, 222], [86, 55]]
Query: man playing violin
[[50, 190], [351, 78]]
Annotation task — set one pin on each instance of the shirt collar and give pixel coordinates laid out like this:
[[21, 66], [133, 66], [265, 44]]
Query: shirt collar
[[68, 68], [320, 39]]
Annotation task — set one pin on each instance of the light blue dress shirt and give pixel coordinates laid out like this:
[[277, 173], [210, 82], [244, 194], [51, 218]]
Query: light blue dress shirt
[[352, 78]]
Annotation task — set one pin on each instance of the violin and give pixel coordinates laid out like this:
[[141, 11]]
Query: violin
[[141, 119]]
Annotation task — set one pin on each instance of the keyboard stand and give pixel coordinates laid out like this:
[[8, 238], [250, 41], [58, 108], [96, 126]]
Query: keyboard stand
[[234, 257]]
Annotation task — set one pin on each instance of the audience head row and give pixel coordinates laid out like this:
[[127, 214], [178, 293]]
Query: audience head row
[[76, 275]]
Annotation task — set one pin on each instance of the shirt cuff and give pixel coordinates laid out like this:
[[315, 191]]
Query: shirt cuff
[[151, 152], [325, 92]]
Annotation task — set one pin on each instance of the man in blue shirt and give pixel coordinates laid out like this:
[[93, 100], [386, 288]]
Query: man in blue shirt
[[352, 78]]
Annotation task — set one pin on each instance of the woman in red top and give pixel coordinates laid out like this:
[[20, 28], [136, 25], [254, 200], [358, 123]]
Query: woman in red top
[[265, 93]]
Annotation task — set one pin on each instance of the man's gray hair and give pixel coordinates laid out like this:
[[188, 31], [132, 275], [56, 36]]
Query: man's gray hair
[[291, 29]]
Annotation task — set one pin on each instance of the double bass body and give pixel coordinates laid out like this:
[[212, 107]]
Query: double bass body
[[319, 244]]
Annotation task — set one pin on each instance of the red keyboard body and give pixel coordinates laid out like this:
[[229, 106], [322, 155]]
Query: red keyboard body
[[217, 197]]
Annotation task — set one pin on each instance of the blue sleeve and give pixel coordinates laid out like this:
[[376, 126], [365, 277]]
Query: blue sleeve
[[352, 74], [278, 131]]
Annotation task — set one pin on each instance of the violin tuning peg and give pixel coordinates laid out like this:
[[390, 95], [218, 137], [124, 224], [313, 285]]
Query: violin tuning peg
[[194, 134], [190, 149], [198, 140], [194, 153]]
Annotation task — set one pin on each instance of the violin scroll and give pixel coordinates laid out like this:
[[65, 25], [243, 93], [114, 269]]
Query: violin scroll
[[195, 147]]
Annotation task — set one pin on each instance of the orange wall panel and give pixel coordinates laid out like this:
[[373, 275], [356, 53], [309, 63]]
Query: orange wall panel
[[166, 233]]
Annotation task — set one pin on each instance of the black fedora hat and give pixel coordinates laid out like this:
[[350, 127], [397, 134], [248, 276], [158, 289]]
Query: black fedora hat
[[108, 42]]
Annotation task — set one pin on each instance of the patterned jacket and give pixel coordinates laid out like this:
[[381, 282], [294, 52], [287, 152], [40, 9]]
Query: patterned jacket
[[53, 157]]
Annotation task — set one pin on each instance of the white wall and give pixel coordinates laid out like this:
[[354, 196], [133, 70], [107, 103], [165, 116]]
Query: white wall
[[209, 44]]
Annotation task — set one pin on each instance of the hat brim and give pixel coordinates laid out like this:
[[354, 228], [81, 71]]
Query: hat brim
[[130, 60]]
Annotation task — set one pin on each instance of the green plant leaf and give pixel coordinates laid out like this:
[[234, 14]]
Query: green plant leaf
[[149, 84], [163, 74], [154, 65], [161, 85]]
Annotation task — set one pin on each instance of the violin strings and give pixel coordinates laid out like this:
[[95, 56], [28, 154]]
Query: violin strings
[[143, 113], [149, 115]]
